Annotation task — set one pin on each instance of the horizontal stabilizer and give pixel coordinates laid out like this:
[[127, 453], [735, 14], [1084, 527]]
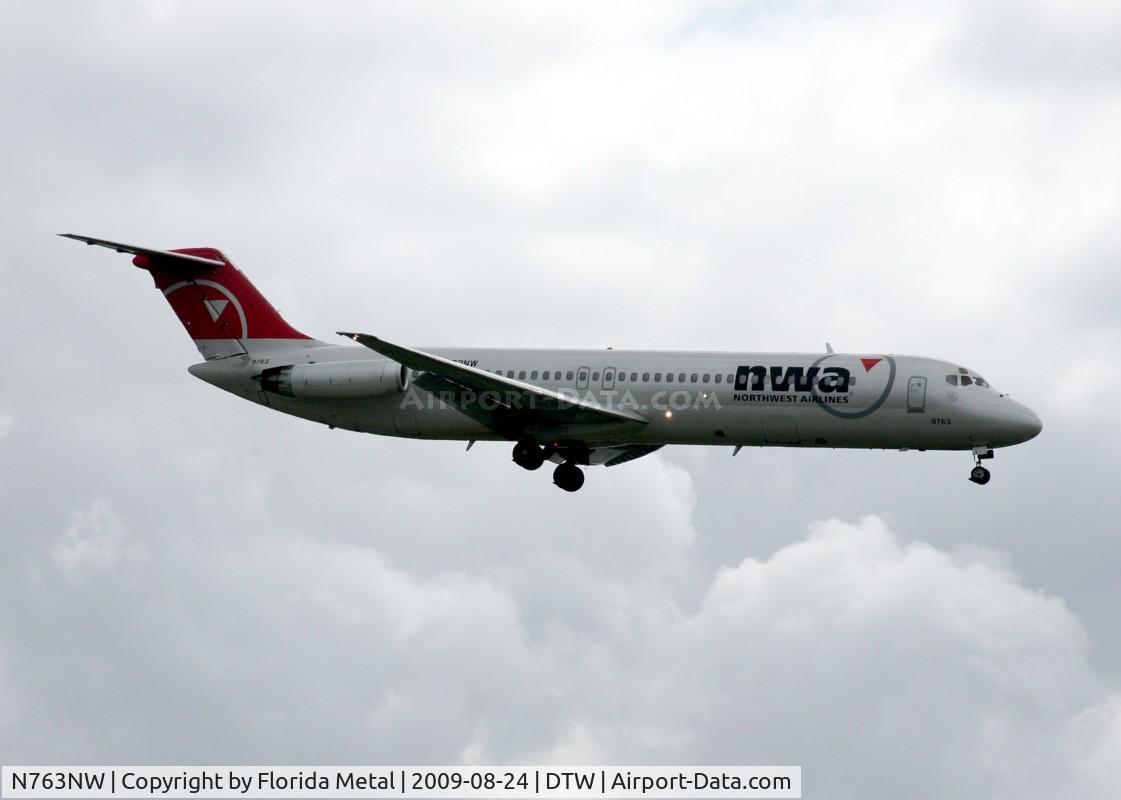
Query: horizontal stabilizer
[[164, 258]]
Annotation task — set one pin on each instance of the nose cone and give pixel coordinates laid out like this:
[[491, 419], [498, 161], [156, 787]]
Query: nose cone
[[1020, 423]]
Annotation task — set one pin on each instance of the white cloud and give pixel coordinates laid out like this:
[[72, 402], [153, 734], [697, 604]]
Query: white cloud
[[7, 422], [885, 667], [882, 666], [95, 540], [1095, 745]]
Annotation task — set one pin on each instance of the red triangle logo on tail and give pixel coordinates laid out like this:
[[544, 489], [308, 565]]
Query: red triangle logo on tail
[[869, 363]]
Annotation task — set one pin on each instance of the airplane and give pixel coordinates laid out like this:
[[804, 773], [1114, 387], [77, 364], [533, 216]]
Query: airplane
[[575, 408]]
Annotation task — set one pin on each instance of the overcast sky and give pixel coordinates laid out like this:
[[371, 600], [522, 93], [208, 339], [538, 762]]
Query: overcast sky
[[187, 578]]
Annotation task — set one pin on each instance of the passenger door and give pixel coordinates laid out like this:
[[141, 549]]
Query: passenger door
[[916, 395]]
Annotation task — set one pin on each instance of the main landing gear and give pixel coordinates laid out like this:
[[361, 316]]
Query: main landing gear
[[530, 455], [568, 476], [979, 474]]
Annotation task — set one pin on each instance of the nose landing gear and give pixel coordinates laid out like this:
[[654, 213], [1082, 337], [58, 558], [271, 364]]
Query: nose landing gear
[[979, 474]]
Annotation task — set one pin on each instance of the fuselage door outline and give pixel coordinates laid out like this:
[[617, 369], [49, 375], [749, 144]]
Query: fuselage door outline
[[916, 395]]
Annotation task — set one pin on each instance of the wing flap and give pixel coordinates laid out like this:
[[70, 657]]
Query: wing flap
[[630, 453]]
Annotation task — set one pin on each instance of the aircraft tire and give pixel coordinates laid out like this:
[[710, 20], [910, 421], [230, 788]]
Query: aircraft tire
[[528, 455], [980, 475], [568, 476]]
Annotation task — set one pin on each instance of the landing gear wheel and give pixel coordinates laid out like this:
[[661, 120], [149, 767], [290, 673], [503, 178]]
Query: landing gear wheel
[[980, 475], [528, 455], [568, 476]]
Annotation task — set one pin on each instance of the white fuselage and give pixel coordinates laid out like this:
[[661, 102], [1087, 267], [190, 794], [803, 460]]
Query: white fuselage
[[772, 399]]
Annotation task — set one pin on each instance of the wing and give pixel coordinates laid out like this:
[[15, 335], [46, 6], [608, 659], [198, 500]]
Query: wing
[[163, 256], [612, 455], [621, 455], [512, 405]]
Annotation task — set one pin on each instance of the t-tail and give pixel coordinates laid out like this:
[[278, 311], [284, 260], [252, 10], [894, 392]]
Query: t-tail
[[222, 311]]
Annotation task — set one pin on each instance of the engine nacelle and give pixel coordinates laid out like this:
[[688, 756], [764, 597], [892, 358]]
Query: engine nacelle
[[337, 379]]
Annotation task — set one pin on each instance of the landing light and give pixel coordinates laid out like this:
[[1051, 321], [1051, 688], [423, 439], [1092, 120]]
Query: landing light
[[669, 415]]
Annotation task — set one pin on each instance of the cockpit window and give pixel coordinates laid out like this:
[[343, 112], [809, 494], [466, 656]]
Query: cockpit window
[[963, 378]]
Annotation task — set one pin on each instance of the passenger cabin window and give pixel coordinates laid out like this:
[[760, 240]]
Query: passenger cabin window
[[634, 377], [533, 375], [521, 375], [646, 377], [705, 378], [657, 377], [719, 378], [693, 378], [730, 378], [681, 377], [570, 375], [595, 376]]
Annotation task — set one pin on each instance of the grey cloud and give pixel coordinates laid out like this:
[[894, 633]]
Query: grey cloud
[[1038, 46]]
